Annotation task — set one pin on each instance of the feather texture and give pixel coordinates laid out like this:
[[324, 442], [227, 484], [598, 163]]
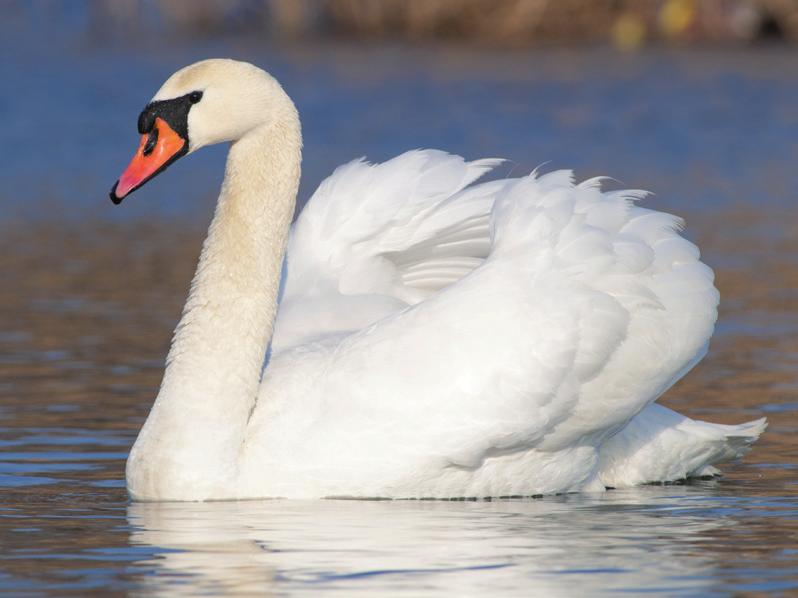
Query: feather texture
[[474, 338], [426, 334]]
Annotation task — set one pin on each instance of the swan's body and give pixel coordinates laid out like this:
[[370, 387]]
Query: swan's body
[[435, 336]]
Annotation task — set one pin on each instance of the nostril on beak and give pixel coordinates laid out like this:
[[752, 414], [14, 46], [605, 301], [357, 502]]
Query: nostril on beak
[[152, 140]]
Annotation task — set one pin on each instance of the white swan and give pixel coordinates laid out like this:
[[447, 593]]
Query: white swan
[[435, 337]]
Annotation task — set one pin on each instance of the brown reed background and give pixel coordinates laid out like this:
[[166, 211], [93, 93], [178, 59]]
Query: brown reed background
[[627, 24]]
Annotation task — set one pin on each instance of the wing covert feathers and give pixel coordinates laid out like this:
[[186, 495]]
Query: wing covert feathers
[[528, 314]]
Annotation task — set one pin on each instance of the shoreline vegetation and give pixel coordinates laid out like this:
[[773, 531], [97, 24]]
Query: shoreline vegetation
[[625, 24]]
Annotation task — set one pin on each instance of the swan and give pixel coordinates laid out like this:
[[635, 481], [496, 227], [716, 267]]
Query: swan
[[415, 333]]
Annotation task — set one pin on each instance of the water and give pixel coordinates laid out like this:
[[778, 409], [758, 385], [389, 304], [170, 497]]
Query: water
[[90, 293], [700, 539]]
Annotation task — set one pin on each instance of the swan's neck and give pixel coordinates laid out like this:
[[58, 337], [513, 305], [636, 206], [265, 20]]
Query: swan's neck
[[197, 425]]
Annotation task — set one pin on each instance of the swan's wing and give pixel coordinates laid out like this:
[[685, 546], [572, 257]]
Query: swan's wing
[[375, 238], [586, 309]]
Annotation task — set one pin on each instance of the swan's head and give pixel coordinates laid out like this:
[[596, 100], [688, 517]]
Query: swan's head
[[205, 103]]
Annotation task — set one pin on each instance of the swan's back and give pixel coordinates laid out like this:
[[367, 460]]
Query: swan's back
[[488, 338], [376, 238]]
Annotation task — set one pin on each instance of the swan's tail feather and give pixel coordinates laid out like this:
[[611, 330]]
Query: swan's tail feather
[[737, 442], [740, 438], [659, 445]]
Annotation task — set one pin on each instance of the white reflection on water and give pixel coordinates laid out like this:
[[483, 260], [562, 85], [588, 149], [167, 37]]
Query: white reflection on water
[[639, 540]]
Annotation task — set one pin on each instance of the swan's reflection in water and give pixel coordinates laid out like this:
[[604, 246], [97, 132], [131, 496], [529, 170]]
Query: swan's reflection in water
[[644, 539]]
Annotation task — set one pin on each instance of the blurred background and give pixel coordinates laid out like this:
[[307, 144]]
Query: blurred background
[[694, 100], [690, 99], [625, 23]]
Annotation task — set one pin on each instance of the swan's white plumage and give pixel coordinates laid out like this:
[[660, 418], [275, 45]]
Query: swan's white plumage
[[436, 336], [661, 445], [548, 318], [375, 238]]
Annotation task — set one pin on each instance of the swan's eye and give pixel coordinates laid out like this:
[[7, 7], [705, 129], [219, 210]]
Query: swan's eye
[[195, 96]]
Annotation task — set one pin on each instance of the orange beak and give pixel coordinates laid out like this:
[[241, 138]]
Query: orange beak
[[157, 150]]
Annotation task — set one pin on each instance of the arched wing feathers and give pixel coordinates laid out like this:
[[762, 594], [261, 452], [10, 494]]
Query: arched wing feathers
[[522, 314]]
